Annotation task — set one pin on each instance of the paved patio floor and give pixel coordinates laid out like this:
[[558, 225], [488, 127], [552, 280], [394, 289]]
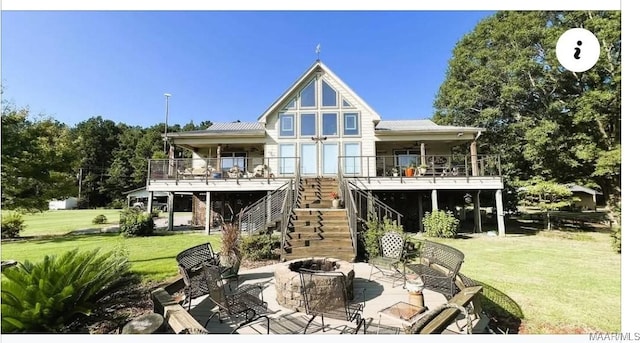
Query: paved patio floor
[[378, 295]]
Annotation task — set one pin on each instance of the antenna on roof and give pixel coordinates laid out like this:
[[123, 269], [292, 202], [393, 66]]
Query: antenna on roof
[[318, 51]]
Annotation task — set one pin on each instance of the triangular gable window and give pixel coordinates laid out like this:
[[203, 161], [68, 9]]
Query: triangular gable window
[[329, 95], [291, 104], [345, 103], [308, 95]]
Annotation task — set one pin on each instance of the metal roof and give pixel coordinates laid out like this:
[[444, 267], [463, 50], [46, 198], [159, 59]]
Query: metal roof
[[577, 188], [237, 126], [419, 125]]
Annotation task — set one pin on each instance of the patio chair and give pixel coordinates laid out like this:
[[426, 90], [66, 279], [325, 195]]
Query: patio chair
[[439, 267], [338, 306], [243, 306], [190, 262], [392, 255]]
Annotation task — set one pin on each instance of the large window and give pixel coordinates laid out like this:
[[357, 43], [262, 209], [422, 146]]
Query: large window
[[233, 159], [329, 124], [308, 124], [405, 158], [352, 158], [287, 125], [351, 124], [329, 95], [287, 159], [308, 95]]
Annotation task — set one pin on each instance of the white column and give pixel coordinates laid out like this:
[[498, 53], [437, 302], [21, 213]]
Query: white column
[[170, 209], [501, 230], [150, 202], [477, 221], [474, 159], [207, 214], [434, 200]]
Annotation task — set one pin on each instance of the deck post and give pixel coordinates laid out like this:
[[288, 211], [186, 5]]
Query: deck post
[[434, 200], [170, 208], [150, 202], [477, 221], [474, 159], [207, 213], [500, 210]]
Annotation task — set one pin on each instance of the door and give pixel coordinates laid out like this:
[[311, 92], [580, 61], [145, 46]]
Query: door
[[308, 159]]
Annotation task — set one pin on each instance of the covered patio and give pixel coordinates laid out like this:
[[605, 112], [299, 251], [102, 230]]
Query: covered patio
[[377, 294]]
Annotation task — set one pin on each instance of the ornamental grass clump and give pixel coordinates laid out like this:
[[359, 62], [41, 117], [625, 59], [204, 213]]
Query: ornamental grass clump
[[49, 295]]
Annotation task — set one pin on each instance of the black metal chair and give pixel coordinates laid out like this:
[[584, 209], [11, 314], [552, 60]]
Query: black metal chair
[[439, 266], [392, 255], [243, 306], [190, 262], [315, 287]]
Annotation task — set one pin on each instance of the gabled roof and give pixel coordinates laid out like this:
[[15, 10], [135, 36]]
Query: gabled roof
[[576, 188], [316, 66], [391, 127]]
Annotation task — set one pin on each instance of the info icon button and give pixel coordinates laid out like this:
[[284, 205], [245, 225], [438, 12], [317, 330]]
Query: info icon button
[[578, 50]]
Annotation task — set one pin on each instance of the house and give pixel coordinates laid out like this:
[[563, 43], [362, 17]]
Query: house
[[319, 135], [64, 204], [586, 196]]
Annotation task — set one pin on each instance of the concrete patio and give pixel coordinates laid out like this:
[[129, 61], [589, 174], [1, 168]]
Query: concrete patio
[[378, 295]]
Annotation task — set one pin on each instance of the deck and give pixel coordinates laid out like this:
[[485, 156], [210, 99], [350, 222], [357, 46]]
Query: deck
[[378, 295]]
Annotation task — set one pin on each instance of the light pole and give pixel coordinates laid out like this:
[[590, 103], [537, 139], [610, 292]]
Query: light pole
[[166, 120]]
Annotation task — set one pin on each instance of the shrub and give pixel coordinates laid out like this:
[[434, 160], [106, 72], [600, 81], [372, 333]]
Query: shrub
[[100, 219], [440, 224], [117, 204], [616, 239], [259, 247], [12, 224], [374, 230], [136, 223], [49, 295]]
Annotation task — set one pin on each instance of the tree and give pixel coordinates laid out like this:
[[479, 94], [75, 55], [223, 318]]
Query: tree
[[97, 139], [547, 196], [542, 119], [121, 172], [38, 160]]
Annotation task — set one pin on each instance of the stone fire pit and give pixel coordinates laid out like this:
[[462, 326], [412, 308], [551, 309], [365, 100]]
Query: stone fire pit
[[288, 283]]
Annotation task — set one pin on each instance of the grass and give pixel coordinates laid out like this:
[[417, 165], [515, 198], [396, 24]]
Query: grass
[[561, 283], [64, 221], [154, 258]]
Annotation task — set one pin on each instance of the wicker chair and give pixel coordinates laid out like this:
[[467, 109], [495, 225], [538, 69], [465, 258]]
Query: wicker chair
[[392, 255], [190, 262], [244, 306], [318, 304], [439, 266]]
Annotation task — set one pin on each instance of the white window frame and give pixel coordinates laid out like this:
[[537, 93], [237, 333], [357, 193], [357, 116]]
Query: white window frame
[[315, 94], [281, 125], [315, 123], [356, 127], [337, 97], [337, 116]]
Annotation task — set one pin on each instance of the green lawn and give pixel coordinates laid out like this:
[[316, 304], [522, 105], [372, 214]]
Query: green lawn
[[152, 257], [63, 221], [562, 283]]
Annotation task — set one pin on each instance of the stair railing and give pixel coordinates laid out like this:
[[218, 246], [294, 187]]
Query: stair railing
[[368, 205], [267, 210], [292, 202]]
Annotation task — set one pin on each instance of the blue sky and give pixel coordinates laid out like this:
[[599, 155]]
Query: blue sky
[[220, 65]]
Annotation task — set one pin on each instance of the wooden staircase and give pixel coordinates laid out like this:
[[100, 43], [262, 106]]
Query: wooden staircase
[[316, 229]]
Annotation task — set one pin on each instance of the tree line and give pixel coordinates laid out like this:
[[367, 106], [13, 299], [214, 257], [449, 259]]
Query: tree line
[[97, 159], [546, 123]]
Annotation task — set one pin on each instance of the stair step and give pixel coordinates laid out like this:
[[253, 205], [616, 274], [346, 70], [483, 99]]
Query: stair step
[[319, 243], [302, 235]]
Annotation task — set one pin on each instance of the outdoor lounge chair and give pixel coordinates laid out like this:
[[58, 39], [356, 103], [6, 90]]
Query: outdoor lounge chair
[[438, 268], [317, 303], [392, 255], [190, 262], [243, 306]]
